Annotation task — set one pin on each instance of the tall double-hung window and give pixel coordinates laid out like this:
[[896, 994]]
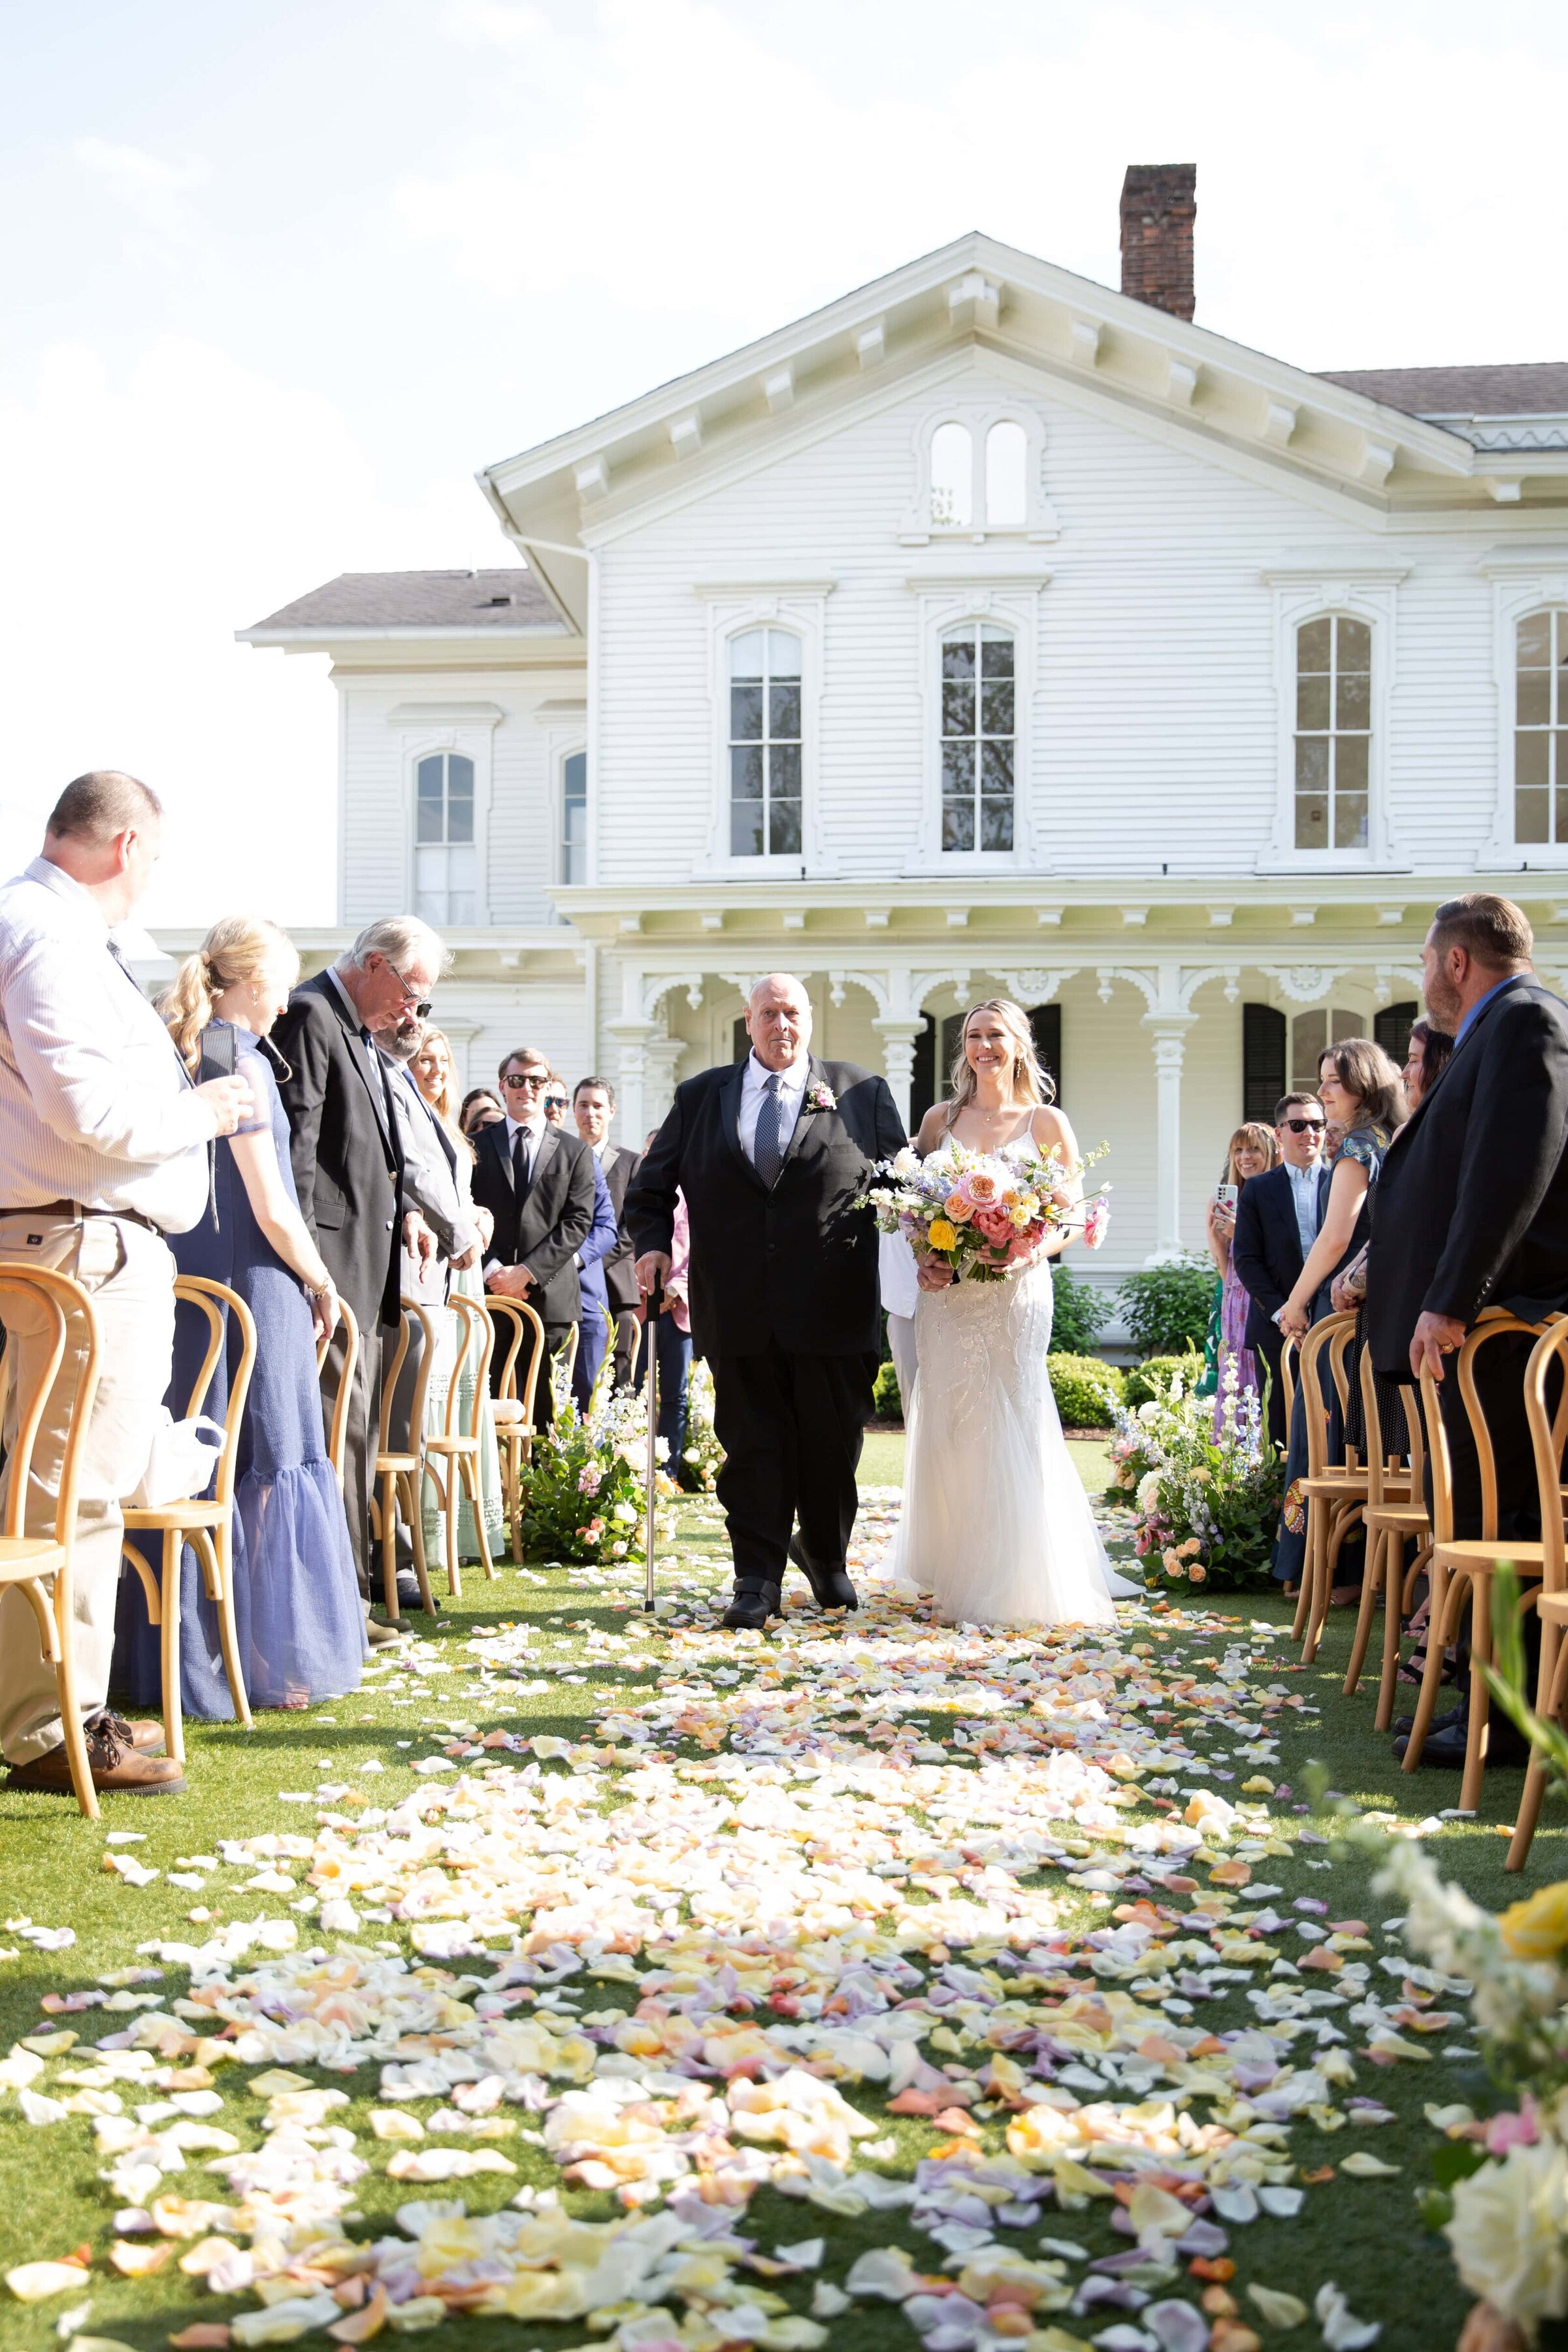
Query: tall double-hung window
[[765, 721], [979, 737], [446, 856], [1540, 728], [1333, 732]]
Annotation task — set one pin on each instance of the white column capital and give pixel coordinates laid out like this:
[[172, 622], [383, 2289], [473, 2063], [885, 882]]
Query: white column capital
[[899, 1033]]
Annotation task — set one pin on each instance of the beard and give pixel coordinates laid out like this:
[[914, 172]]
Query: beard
[[1444, 1001]]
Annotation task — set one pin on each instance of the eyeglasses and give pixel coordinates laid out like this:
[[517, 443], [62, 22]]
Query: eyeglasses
[[531, 1079], [1305, 1126], [555, 1102], [410, 995]]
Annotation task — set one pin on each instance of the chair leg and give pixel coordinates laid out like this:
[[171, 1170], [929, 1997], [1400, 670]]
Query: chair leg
[[1432, 1677], [444, 1482], [413, 1498], [219, 1546], [389, 1545], [1304, 1597], [1550, 1693], [514, 1498], [1315, 1580], [173, 1727], [470, 1481], [70, 1713], [1476, 1738], [1376, 1551]]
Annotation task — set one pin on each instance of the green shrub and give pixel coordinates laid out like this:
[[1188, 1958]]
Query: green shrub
[[1154, 1377], [1086, 1389], [1078, 1316], [887, 1402], [1167, 1307]]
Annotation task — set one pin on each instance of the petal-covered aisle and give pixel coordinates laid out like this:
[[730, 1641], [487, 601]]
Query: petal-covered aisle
[[656, 1988]]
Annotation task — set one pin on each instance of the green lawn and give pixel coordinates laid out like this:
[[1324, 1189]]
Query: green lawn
[[1365, 2234]]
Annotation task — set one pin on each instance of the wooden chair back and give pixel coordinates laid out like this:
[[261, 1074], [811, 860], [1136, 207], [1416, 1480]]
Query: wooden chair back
[[1334, 1334], [1289, 1354], [1380, 1457], [216, 1302], [414, 1316], [62, 1300], [1547, 1435], [337, 1438], [523, 1318], [476, 1344], [1492, 1325]]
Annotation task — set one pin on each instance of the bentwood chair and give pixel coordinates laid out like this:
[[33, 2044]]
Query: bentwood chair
[[207, 1526], [1334, 1493], [513, 1414], [399, 1473], [1461, 1569], [41, 1566], [1548, 1435], [452, 1454], [1395, 1515], [338, 1433], [1287, 1359]]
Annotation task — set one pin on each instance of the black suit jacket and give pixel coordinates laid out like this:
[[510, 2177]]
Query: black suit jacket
[[620, 1267], [1471, 1209], [554, 1222], [797, 1263], [1266, 1249], [342, 1140]]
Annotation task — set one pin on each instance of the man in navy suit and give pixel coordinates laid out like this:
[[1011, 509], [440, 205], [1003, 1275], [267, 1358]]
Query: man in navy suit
[[1277, 1220]]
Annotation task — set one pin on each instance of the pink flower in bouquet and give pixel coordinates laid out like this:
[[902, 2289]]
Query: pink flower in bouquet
[[1021, 1246], [589, 1480], [994, 1223], [959, 1209], [1508, 2130], [1095, 1218], [980, 1188]]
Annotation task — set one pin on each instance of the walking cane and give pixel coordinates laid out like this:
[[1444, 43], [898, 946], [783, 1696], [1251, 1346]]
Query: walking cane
[[655, 1308]]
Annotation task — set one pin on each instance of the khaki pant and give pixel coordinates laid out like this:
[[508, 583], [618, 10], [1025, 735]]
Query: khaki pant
[[129, 1274]]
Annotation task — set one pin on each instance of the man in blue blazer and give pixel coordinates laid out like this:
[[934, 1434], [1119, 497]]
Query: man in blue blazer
[[1277, 1220]]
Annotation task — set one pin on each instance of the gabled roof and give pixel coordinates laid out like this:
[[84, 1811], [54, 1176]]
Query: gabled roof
[[1449, 394], [411, 602]]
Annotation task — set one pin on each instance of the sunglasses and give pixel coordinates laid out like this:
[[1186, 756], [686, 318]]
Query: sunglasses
[[532, 1079], [1306, 1126], [421, 1005]]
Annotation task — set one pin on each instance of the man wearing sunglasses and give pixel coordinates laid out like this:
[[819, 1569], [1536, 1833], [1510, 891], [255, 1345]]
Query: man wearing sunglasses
[[537, 1181], [1277, 1220]]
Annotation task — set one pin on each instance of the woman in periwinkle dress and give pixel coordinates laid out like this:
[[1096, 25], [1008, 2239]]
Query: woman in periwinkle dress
[[296, 1605]]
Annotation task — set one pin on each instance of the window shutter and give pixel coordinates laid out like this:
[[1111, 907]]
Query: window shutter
[[742, 1039], [1263, 1035], [1046, 1021], [1391, 1029], [923, 1078]]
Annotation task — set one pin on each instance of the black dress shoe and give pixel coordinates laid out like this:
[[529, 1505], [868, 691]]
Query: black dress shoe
[[1505, 1749], [1404, 1725], [408, 1593], [830, 1586], [752, 1607]]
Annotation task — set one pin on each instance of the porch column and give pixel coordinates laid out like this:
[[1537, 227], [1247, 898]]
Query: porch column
[[662, 1058], [898, 1035], [632, 1036], [1169, 1033]]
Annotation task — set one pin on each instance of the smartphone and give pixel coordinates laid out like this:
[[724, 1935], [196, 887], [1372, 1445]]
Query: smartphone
[[1226, 1197]]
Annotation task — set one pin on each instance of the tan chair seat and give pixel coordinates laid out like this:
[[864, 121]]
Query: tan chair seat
[[22, 1556], [1472, 1552], [453, 1445], [191, 1514], [395, 1463]]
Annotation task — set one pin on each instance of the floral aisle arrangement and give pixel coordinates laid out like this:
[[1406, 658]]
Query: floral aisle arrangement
[[697, 1472], [585, 1490], [1207, 1503], [986, 1217]]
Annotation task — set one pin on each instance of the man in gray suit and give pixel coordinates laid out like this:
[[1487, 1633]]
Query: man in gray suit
[[593, 1109]]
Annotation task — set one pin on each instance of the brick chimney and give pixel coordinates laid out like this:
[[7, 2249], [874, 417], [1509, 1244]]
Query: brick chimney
[[1159, 206]]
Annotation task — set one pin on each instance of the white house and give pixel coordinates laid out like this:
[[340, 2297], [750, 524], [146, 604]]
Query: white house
[[986, 631]]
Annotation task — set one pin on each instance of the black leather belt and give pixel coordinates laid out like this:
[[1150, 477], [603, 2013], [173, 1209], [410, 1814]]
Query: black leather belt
[[75, 1209]]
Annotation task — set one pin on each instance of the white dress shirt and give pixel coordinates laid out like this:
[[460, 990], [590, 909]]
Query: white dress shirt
[[1304, 1190], [792, 1094], [95, 1102]]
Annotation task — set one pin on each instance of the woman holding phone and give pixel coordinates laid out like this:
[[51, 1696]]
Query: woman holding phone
[[1251, 1152]]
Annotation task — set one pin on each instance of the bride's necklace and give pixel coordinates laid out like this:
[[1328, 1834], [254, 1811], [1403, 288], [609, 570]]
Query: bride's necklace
[[993, 1119]]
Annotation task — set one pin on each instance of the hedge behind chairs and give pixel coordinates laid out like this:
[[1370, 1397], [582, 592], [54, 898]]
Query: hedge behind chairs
[[452, 1454], [1462, 1568], [206, 1526], [399, 1475], [515, 1430], [339, 1433], [41, 1566], [1395, 1514]]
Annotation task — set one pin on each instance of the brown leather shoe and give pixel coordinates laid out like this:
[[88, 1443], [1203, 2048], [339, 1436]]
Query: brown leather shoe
[[147, 1738], [115, 1765]]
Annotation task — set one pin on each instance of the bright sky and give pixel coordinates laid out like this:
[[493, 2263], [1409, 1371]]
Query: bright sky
[[277, 281]]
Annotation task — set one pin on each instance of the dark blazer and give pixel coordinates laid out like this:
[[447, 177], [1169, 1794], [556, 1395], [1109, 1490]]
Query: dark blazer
[[1472, 1205], [554, 1220], [618, 1166], [797, 1264], [604, 1236], [1266, 1249], [348, 1162]]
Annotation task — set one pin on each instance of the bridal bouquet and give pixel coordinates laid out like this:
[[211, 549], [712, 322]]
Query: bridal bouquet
[[985, 1215]]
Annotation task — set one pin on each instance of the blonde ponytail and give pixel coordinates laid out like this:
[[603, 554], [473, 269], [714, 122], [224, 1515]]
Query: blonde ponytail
[[237, 949]]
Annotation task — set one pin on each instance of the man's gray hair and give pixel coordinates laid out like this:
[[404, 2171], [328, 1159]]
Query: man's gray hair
[[400, 939]]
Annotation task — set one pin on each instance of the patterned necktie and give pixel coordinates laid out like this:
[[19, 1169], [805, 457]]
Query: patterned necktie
[[521, 1164], [767, 1152]]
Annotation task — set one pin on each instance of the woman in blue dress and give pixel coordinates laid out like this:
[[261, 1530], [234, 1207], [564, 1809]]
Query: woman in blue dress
[[296, 1605], [1361, 1091]]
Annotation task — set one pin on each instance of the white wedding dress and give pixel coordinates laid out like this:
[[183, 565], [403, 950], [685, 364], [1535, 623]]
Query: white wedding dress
[[995, 1521]]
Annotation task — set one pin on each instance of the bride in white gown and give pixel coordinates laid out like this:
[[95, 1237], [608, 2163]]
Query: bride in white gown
[[995, 1521]]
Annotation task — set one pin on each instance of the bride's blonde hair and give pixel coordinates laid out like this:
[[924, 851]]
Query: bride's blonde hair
[[1030, 1082], [240, 948]]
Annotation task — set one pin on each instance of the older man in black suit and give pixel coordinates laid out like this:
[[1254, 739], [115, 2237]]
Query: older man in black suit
[[1471, 1209], [537, 1181], [348, 1163], [772, 1154], [1277, 1220]]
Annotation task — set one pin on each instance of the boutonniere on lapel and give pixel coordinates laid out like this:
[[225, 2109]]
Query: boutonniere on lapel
[[819, 1096]]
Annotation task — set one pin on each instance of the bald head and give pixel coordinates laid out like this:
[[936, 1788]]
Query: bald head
[[105, 831], [778, 1020]]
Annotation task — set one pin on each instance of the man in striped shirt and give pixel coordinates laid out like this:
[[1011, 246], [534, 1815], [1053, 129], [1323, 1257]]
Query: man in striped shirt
[[102, 1152]]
